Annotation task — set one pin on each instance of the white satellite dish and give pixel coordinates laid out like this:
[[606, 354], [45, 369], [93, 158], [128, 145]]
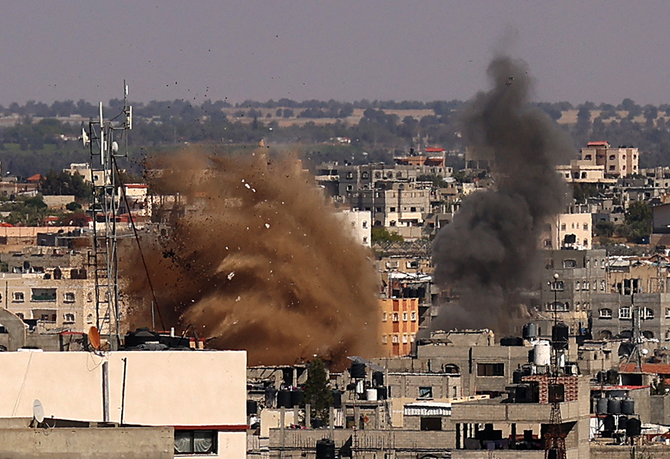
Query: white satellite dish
[[38, 411]]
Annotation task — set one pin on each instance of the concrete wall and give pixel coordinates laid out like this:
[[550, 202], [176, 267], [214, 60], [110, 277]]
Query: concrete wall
[[624, 452], [87, 443], [178, 388]]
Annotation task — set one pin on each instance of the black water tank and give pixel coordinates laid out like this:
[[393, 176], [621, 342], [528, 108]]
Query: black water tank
[[252, 407], [297, 396], [614, 406], [628, 406], [633, 427], [337, 398], [357, 370], [523, 394], [378, 378], [612, 377], [284, 399], [325, 449], [529, 331], [559, 335], [608, 422], [382, 393], [622, 422], [517, 376], [509, 341]]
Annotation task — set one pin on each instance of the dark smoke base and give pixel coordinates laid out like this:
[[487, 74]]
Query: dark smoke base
[[489, 252]]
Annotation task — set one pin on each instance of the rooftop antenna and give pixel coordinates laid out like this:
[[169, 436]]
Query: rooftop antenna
[[103, 150]]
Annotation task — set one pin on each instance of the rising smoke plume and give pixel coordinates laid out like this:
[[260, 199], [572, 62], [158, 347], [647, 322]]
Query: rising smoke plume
[[257, 260], [489, 251]]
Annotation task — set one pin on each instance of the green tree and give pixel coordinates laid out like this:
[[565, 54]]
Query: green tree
[[381, 234], [317, 390], [638, 220]]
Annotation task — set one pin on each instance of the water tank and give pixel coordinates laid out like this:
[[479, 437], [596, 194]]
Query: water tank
[[337, 398], [622, 421], [542, 353], [601, 377], [357, 370], [559, 335], [523, 394], [529, 331], [628, 406], [325, 449], [284, 399], [608, 422], [633, 427], [613, 406], [371, 395], [297, 396], [382, 393], [508, 341], [252, 407], [612, 377], [601, 406], [378, 378], [517, 376]]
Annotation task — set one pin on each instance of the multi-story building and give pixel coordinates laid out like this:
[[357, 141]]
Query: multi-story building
[[396, 204], [399, 325], [571, 230], [359, 223], [580, 171], [618, 162]]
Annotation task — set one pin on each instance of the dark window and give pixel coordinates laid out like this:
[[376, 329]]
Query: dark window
[[431, 423], [490, 369], [195, 442], [426, 392]]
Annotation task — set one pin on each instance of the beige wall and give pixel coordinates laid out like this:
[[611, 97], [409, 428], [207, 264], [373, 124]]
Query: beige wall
[[178, 388]]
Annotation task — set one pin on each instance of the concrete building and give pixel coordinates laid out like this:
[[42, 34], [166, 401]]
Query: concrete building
[[580, 171], [618, 162], [396, 205], [571, 230], [399, 325], [359, 223], [199, 394]]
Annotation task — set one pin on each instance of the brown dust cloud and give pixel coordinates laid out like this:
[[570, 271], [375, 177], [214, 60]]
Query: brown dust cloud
[[254, 258]]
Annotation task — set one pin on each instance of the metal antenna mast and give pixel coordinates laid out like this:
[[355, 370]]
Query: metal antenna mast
[[104, 259]]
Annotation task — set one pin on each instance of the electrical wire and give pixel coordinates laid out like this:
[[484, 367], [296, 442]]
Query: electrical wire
[[137, 239]]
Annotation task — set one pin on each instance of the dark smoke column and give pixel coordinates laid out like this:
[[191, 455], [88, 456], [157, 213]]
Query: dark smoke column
[[488, 252]]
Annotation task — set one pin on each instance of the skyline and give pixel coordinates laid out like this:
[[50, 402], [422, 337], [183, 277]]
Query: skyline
[[576, 51]]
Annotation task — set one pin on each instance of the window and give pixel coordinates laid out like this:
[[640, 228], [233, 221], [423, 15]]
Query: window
[[648, 314], [452, 368], [426, 392], [195, 442], [365, 224], [577, 286], [392, 209], [43, 294], [412, 209], [490, 369], [384, 317], [611, 168], [395, 339], [350, 175], [602, 285], [624, 313], [384, 339], [18, 297], [89, 319], [612, 157], [404, 338], [563, 227], [413, 316], [667, 313], [364, 175], [350, 187], [585, 227], [68, 318], [569, 263], [431, 423], [586, 286], [559, 307], [404, 316], [68, 297], [605, 313], [395, 317], [89, 297]]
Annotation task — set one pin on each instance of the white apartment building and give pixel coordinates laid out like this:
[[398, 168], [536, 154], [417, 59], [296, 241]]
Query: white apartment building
[[568, 231], [618, 162]]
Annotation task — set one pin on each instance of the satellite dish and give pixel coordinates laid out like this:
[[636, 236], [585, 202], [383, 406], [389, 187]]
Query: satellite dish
[[38, 411], [94, 338]]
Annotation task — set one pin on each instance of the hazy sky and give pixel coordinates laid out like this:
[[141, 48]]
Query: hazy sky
[[577, 50]]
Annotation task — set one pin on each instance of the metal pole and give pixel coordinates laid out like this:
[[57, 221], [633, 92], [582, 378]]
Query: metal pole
[[105, 391], [123, 390]]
